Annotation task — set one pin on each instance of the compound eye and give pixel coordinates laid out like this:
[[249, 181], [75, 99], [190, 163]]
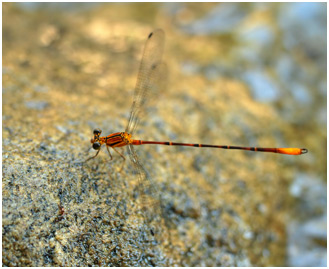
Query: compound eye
[[96, 145], [97, 132]]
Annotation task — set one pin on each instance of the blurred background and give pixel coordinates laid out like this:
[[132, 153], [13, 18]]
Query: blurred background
[[244, 74]]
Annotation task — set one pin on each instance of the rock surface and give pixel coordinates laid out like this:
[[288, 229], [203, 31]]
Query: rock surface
[[69, 70]]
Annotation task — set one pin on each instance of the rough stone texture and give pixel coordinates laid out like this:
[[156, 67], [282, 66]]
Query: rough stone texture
[[66, 72]]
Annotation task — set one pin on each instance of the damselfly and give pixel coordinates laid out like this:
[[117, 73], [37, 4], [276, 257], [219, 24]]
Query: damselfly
[[150, 78]]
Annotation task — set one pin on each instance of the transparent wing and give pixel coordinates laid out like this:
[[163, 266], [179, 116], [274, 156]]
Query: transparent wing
[[149, 196], [151, 77], [150, 81]]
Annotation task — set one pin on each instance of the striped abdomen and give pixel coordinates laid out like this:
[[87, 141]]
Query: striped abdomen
[[290, 151]]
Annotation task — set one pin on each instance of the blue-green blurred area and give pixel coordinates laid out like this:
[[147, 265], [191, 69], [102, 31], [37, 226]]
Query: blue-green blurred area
[[249, 74], [277, 50]]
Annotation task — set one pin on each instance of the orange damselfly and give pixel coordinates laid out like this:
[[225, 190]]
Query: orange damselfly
[[147, 78], [150, 77]]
